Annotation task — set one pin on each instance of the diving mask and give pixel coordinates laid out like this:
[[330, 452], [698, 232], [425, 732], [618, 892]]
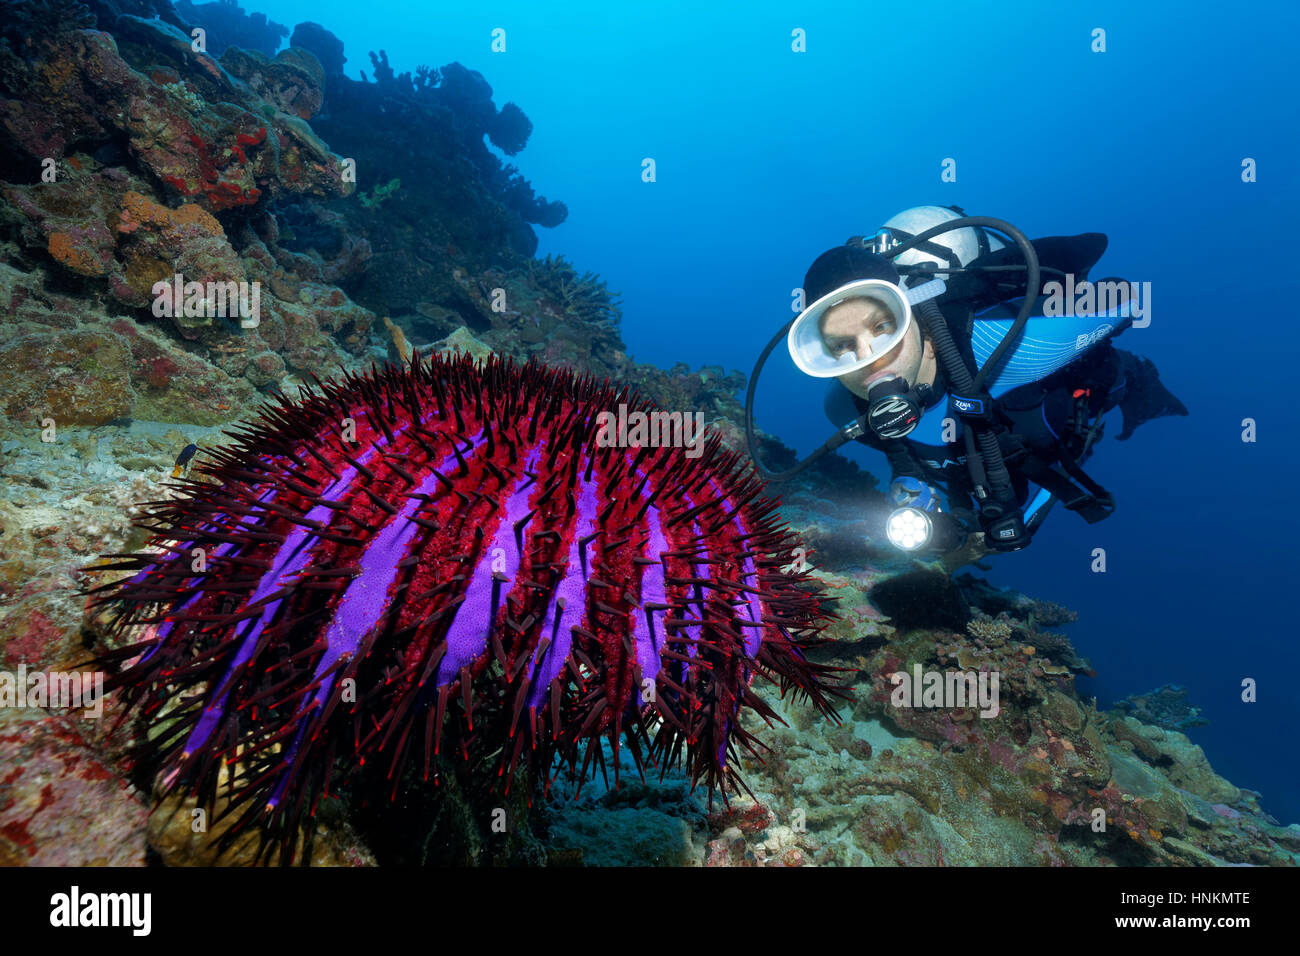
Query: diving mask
[[886, 316]]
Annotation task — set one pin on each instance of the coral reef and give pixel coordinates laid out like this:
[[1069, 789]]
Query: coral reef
[[1048, 781], [78, 363], [293, 81], [318, 41], [227, 25], [131, 157], [1165, 707], [43, 19], [60, 804], [171, 151], [582, 297], [169, 162]]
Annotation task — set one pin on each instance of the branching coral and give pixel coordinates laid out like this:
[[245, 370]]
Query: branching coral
[[582, 297], [384, 75], [426, 77], [989, 630]]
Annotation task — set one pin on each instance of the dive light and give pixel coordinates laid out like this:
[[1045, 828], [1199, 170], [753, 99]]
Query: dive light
[[911, 529]]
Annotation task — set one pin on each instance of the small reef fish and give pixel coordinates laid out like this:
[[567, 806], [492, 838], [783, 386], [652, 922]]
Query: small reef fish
[[183, 460]]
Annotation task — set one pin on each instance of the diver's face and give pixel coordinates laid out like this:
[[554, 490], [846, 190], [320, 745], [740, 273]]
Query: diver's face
[[854, 326]]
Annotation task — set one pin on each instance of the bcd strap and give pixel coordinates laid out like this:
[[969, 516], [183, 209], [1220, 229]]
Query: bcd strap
[[1095, 504]]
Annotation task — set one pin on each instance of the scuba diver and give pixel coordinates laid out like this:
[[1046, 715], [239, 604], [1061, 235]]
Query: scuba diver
[[985, 399]]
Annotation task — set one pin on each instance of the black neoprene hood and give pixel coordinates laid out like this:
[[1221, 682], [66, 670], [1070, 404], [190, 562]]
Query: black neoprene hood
[[842, 265]]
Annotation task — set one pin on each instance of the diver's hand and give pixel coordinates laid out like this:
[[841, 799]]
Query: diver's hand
[[971, 551]]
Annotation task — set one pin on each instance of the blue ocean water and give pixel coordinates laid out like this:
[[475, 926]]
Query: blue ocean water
[[765, 157]]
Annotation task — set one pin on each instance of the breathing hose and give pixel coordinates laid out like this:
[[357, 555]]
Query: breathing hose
[[841, 437]]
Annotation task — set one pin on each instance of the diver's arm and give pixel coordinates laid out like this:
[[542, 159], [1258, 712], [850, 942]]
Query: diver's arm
[[911, 483]]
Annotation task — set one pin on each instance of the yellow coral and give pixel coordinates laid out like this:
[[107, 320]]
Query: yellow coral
[[63, 247], [140, 210]]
